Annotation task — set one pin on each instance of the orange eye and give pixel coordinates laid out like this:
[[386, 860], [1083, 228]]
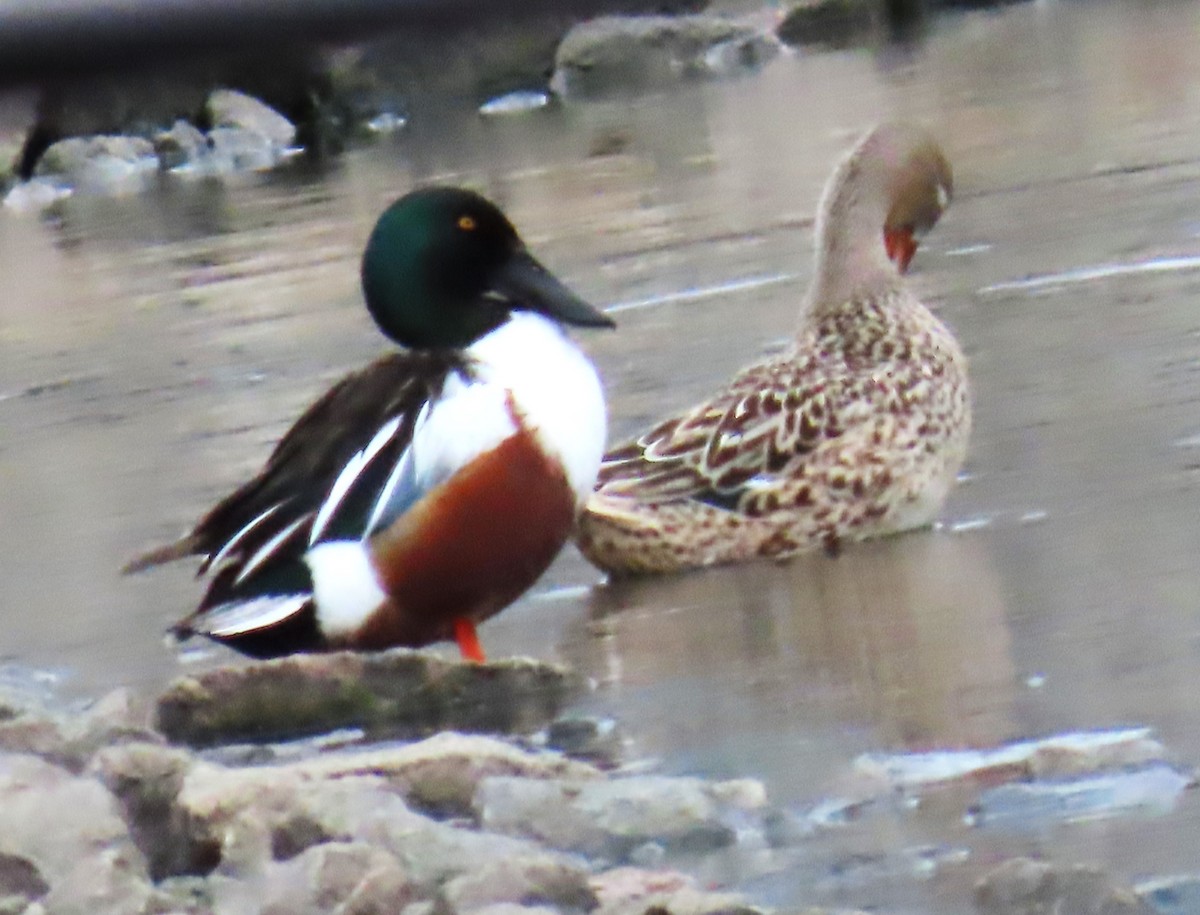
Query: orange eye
[[466, 223]]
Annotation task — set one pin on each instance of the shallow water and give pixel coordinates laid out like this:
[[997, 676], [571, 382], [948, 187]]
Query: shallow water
[[152, 348]]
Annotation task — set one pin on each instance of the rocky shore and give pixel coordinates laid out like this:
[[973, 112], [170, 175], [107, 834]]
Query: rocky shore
[[116, 132], [401, 782]]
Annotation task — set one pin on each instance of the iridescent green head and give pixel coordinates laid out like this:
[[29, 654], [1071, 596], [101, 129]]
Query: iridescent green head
[[443, 267]]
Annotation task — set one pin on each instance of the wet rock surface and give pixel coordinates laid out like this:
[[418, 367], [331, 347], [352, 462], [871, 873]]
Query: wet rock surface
[[391, 694], [1027, 887], [99, 813], [833, 23], [627, 53]]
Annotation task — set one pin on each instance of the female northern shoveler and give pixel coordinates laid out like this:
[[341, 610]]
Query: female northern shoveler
[[426, 492], [857, 430]]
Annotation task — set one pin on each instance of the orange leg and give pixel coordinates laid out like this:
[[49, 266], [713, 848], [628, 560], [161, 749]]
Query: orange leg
[[468, 641]]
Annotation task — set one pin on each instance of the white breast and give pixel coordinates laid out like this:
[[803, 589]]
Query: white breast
[[552, 384], [556, 389]]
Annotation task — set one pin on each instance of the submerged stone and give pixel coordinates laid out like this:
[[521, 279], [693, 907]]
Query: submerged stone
[[612, 818], [1023, 886]]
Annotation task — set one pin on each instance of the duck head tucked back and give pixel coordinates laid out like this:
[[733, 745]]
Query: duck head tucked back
[[882, 198], [856, 430]]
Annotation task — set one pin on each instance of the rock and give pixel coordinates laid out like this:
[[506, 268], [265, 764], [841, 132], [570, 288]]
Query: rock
[[232, 150], [1026, 887], [1172, 895], [59, 821], [100, 164], [597, 740], [69, 738], [512, 908], [20, 877], [186, 896], [441, 774], [242, 819], [181, 148], [834, 23], [34, 734], [532, 880], [147, 779], [256, 815], [612, 54], [109, 883], [686, 901], [608, 819], [35, 195], [349, 877], [629, 884], [398, 693], [230, 108]]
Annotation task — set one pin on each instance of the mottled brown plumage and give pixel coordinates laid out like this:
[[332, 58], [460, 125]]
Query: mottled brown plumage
[[857, 430]]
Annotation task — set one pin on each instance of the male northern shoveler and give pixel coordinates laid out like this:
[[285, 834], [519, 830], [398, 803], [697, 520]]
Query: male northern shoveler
[[426, 492], [857, 430]]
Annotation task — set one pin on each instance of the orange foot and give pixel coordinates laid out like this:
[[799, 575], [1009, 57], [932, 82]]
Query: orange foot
[[468, 641]]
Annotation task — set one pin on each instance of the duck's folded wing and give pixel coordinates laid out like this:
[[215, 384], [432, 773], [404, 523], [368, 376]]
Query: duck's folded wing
[[370, 412], [768, 419]]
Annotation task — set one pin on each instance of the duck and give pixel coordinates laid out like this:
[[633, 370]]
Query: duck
[[424, 493], [857, 429]]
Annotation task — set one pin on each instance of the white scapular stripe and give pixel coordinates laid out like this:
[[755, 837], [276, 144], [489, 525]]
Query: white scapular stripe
[[235, 541], [401, 489], [349, 474], [267, 549], [345, 588], [226, 620]]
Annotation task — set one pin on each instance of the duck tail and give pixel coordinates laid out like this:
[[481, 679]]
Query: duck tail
[[184, 546]]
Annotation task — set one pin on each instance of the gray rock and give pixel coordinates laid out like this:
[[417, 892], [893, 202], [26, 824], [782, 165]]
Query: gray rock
[[180, 148], [532, 880], [70, 737], [35, 195], [253, 816], [614, 54], [108, 883], [59, 821], [1179, 895], [512, 908], [1023, 886], [232, 150], [684, 901], [20, 877], [146, 779], [434, 853], [629, 884], [346, 877], [834, 23], [185, 896], [397, 693], [441, 774], [597, 740], [610, 818], [230, 108], [100, 164]]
